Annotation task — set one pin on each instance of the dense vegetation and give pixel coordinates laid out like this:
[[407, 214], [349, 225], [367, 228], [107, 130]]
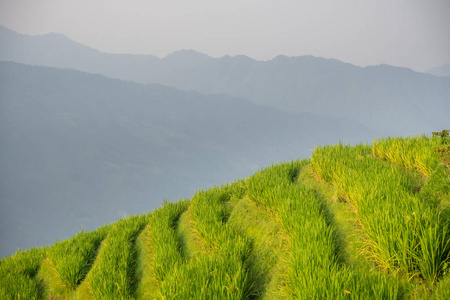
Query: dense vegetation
[[358, 222]]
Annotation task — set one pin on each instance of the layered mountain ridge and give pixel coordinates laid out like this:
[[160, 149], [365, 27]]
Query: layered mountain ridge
[[391, 99]]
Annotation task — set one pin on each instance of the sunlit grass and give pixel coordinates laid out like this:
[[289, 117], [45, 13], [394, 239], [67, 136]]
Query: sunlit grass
[[414, 152], [17, 275], [313, 266], [159, 248], [268, 247], [216, 267], [399, 226], [113, 274], [69, 262]]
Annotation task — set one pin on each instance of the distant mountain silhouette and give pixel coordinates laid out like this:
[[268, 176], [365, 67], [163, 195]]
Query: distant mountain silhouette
[[80, 150], [396, 100], [56, 50], [442, 71]]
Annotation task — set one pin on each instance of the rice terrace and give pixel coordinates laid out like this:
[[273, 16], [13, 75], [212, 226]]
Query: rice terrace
[[351, 222]]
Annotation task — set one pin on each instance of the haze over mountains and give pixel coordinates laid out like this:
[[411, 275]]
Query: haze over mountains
[[81, 150], [395, 100], [441, 70]]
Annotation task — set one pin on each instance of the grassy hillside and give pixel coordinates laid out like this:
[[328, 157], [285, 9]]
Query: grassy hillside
[[357, 222]]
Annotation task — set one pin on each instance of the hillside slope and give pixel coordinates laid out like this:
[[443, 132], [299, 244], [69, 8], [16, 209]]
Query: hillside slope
[[94, 148], [362, 222]]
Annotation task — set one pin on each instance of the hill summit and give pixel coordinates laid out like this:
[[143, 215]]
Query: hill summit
[[364, 221]]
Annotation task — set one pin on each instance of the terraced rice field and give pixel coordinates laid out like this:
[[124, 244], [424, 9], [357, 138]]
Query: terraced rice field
[[361, 222]]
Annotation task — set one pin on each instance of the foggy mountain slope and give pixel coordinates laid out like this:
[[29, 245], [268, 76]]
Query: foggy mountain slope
[[57, 50], [443, 70], [395, 100], [80, 150]]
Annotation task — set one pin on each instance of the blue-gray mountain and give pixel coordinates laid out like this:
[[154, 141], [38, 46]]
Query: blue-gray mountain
[[395, 100], [80, 150], [443, 70]]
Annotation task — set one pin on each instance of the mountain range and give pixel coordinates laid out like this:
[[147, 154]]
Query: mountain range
[[397, 101]]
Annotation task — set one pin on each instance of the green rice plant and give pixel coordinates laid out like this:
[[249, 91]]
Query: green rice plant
[[207, 277], [269, 248], [17, 274], [113, 274], [209, 214], [266, 186], [52, 285], [69, 262], [403, 233], [414, 152], [159, 248], [418, 154], [217, 268], [165, 243], [73, 258], [313, 269], [188, 242], [147, 283], [442, 290]]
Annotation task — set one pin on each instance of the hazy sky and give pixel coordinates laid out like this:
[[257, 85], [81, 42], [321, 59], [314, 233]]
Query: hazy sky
[[410, 33]]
